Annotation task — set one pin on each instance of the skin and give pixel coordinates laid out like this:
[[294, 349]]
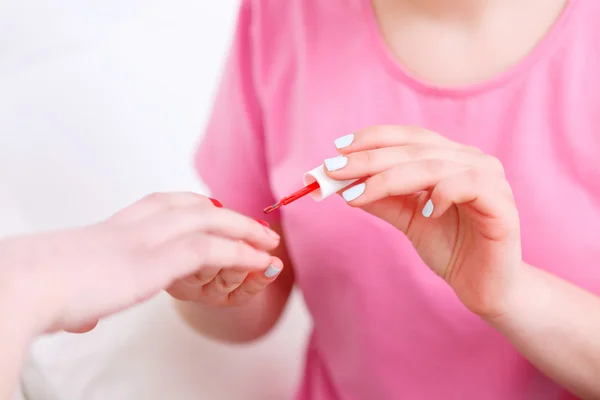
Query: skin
[[245, 316], [69, 280], [467, 41], [471, 239]]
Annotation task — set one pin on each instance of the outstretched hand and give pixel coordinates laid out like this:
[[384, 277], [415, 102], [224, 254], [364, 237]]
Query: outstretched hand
[[70, 279]]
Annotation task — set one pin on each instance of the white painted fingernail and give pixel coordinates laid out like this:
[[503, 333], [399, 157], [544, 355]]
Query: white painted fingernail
[[272, 271], [354, 192], [428, 209], [335, 163], [344, 141]]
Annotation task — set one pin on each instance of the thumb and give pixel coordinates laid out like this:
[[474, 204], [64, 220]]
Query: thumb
[[399, 211]]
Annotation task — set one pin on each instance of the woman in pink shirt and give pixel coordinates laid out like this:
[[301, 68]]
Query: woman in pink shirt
[[480, 164]]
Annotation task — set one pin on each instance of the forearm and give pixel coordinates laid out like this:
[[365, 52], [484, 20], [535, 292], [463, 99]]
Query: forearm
[[13, 350], [241, 323], [556, 325], [16, 334]]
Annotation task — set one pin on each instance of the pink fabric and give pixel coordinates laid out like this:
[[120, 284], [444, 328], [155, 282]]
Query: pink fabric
[[304, 72]]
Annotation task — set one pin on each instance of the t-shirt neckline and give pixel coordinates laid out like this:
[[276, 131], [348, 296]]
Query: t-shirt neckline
[[400, 73]]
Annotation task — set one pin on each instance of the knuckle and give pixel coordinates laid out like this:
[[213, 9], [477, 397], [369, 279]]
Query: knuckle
[[236, 276], [474, 176], [166, 200], [205, 275], [196, 198], [381, 133], [384, 179], [247, 291], [187, 199], [220, 283], [472, 149], [433, 167], [226, 282], [380, 185], [378, 130], [443, 189], [495, 164], [417, 151], [365, 158], [157, 198], [415, 130]]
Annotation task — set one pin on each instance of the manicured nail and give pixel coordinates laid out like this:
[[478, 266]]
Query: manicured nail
[[335, 163], [268, 230], [344, 141], [428, 209], [354, 192], [216, 202], [263, 223], [272, 272]]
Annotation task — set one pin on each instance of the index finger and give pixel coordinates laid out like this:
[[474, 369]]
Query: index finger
[[381, 136], [215, 221]]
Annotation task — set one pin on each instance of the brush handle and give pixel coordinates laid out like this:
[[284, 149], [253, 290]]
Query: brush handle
[[327, 186]]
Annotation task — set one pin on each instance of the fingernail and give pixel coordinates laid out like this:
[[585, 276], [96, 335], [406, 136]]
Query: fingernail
[[335, 163], [272, 271], [270, 231], [344, 141], [428, 209], [263, 223], [216, 202], [354, 192]]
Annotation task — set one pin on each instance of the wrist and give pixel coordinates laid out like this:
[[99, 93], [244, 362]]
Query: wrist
[[516, 295], [20, 323]]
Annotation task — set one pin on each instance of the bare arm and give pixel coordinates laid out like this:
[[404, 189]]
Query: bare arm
[[13, 348], [68, 280], [16, 332], [246, 322], [556, 325]]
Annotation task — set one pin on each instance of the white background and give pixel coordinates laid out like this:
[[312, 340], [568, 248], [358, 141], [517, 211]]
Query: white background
[[102, 102]]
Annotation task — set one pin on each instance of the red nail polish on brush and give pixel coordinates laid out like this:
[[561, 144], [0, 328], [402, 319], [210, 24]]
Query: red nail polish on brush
[[317, 184], [217, 203]]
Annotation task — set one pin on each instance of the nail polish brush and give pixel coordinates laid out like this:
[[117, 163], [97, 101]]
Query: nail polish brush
[[317, 184]]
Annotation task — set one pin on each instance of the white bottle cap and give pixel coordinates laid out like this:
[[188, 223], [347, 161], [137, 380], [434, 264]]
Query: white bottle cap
[[327, 185]]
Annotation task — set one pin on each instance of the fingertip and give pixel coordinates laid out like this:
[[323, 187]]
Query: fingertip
[[276, 262], [435, 207], [260, 235], [353, 193], [272, 272], [83, 328], [428, 209], [334, 164], [344, 142], [274, 269]]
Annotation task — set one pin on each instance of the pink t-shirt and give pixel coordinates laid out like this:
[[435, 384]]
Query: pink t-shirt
[[305, 72]]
